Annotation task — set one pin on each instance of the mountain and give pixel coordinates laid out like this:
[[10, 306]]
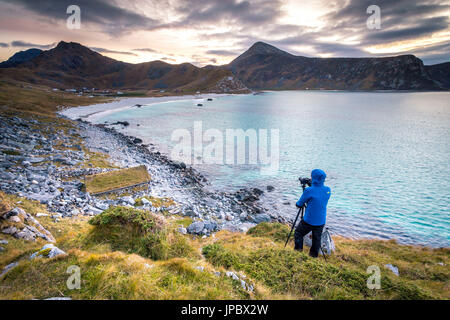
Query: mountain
[[20, 57], [262, 66], [265, 67], [440, 73], [70, 65]]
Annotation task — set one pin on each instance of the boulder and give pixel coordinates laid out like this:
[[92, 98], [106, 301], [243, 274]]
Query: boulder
[[8, 267], [326, 242], [48, 251], [210, 226], [261, 217], [196, 227], [394, 269], [128, 200]]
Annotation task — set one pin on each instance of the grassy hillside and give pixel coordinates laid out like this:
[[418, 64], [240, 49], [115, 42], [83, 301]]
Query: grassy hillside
[[126, 253], [18, 96]]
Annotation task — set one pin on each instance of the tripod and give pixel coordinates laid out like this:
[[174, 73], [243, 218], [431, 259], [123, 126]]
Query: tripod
[[301, 211]]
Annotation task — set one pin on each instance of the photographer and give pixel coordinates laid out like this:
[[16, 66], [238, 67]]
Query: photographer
[[316, 197]]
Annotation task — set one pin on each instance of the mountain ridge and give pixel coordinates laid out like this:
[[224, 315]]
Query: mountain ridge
[[261, 67]]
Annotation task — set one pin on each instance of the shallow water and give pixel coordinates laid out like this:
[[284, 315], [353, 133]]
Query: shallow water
[[386, 154]]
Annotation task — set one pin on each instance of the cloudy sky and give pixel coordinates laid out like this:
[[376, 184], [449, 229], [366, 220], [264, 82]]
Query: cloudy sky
[[215, 31]]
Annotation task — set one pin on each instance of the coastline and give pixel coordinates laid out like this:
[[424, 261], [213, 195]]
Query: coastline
[[211, 255], [121, 133], [90, 112]]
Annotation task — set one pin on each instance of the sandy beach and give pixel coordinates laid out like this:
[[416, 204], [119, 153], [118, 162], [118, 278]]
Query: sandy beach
[[92, 112]]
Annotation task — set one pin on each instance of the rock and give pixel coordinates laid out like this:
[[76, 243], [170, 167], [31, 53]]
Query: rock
[[210, 226], [190, 213], [17, 212], [3, 241], [182, 230], [270, 188], [196, 227], [48, 251], [94, 210], [15, 219], [9, 267], [231, 274], [26, 234], [9, 230], [59, 298], [243, 229], [146, 202], [102, 205], [392, 268], [42, 198], [35, 160], [200, 268], [179, 165], [243, 216], [39, 214], [2, 249], [228, 217], [137, 140], [217, 273], [326, 242], [261, 217], [257, 191], [124, 123], [129, 200], [7, 175]]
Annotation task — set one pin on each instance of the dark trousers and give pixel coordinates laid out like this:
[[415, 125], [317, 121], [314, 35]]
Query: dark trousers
[[302, 230]]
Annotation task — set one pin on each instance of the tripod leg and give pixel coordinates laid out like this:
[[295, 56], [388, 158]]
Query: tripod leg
[[293, 226]]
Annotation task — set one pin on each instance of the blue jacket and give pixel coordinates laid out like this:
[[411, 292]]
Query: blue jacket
[[316, 197]]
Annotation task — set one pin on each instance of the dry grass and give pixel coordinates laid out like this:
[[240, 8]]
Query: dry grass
[[112, 269], [4, 204], [18, 96], [112, 180]]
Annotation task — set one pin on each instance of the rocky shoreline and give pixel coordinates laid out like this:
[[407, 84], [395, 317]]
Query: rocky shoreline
[[47, 164]]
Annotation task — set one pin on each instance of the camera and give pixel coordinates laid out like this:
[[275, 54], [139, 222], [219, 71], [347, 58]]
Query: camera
[[305, 181]]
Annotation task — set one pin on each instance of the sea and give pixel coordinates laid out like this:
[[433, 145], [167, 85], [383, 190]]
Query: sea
[[386, 154]]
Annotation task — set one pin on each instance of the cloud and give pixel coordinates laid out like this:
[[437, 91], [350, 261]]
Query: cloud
[[168, 59], [112, 18], [232, 26], [103, 50], [23, 44], [400, 19], [4, 45], [423, 28], [145, 50], [206, 12], [226, 53]]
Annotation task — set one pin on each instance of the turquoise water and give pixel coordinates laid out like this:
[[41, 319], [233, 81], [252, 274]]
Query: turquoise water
[[386, 154]]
